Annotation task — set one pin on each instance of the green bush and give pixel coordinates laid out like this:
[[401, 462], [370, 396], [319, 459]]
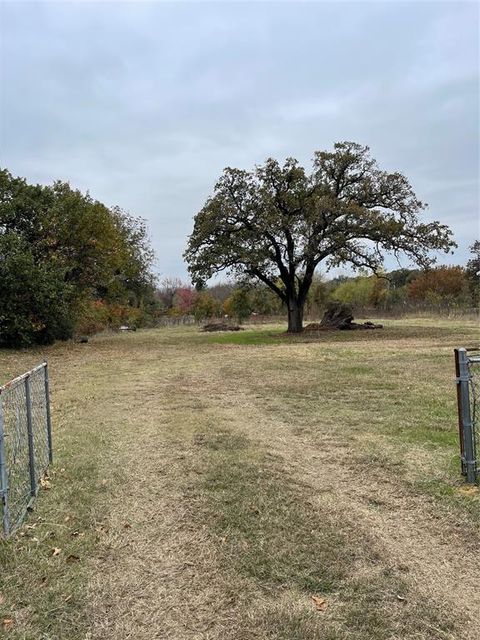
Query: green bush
[[36, 304]]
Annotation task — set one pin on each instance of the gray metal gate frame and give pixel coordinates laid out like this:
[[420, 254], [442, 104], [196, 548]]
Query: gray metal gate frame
[[34, 473], [468, 428]]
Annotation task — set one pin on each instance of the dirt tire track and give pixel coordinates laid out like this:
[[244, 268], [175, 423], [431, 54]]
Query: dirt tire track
[[410, 531]]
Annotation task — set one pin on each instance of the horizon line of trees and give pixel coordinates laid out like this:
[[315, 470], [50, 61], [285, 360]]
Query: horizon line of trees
[[440, 288]]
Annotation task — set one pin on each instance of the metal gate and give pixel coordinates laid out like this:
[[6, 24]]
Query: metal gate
[[25, 443]]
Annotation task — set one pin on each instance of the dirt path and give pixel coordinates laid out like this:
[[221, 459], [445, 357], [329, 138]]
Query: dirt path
[[160, 574], [156, 577]]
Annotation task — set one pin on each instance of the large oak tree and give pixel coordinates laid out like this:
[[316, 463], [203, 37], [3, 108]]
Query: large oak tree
[[277, 224]]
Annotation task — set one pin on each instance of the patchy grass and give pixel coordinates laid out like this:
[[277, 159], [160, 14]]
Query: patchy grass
[[209, 485], [249, 337], [268, 530], [257, 515], [398, 397], [45, 595]]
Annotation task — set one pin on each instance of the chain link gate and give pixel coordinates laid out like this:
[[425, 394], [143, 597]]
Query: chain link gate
[[25, 443], [467, 369]]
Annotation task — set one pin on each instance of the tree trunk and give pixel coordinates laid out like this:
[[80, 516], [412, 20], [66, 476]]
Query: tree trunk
[[295, 317]]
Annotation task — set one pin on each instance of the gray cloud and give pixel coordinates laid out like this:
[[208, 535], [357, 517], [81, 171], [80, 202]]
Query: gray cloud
[[143, 104]]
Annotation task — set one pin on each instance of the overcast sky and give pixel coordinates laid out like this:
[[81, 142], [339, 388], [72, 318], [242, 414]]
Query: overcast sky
[[143, 104]]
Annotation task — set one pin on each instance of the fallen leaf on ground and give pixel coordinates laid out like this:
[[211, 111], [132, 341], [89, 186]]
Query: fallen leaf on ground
[[56, 551], [469, 491], [320, 603], [72, 558], [45, 484], [7, 623]]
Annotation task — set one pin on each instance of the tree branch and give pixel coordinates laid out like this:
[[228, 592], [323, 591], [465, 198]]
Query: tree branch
[[256, 272]]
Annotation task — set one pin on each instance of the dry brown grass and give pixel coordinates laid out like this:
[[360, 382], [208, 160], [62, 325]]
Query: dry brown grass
[[219, 482]]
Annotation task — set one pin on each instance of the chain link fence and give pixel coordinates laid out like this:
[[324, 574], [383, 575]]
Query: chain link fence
[[25, 443], [467, 368]]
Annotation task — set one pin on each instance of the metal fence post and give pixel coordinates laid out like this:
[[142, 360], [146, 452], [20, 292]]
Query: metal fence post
[[31, 453], [460, 418], [3, 477], [49, 420], [465, 416]]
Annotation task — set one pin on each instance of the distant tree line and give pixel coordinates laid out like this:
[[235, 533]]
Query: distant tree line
[[68, 263], [440, 288], [235, 300]]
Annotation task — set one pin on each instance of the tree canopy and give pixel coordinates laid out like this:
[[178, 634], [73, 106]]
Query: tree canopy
[[277, 223], [442, 284], [473, 272], [59, 250]]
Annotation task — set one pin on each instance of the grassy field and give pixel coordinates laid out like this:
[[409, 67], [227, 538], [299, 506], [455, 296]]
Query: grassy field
[[250, 486]]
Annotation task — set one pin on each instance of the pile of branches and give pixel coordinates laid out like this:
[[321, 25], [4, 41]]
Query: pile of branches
[[221, 326]]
